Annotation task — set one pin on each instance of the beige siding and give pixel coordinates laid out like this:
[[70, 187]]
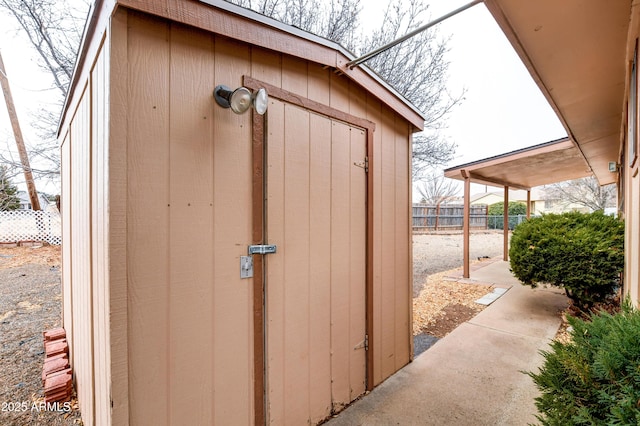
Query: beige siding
[[65, 206], [81, 290], [99, 239], [85, 276], [117, 224]]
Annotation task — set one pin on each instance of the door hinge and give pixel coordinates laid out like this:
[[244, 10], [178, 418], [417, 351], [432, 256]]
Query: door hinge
[[364, 344], [363, 164]]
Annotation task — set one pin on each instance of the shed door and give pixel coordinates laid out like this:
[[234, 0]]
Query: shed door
[[315, 284]]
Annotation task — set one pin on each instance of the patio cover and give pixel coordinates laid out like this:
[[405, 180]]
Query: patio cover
[[542, 164]]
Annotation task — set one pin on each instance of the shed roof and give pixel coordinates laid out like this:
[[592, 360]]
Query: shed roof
[[224, 18], [575, 50], [542, 164]]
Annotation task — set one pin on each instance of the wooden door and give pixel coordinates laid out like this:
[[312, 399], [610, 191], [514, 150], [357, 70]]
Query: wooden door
[[315, 287]]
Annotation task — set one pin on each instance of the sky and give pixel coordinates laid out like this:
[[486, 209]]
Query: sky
[[503, 109]]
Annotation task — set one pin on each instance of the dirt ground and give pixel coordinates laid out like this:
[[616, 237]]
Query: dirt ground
[[30, 302]]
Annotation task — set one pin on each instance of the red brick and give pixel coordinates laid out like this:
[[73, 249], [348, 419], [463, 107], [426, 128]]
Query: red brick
[[58, 373], [51, 366], [56, 347], [55, 383], [58, 397], [54, 334], [56, 356]]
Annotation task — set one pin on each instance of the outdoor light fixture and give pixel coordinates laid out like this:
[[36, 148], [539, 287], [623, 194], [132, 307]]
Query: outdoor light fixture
[[241, 99]]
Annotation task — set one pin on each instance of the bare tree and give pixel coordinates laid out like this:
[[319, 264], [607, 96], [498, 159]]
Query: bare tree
[[54, 29], [585, 192], [416, 68], [435, 189]]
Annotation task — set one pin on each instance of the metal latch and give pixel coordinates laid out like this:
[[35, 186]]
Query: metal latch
[[262, 249]]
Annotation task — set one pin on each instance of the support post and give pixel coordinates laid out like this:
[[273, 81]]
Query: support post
[[528, 204], [505, 228], [466, 225]]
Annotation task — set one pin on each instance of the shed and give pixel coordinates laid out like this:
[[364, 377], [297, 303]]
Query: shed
[[164, 191]]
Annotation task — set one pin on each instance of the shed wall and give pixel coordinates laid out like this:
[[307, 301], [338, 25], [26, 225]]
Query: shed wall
[[157, 213]]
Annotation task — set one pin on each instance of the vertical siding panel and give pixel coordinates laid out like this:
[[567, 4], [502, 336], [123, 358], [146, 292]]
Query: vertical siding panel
[[148, 220], [117, 211], [233, 297], [296, 273], [386, 161], [340, 268], [320, 274], [99, 209], [320, 248], [191, 227], [81, 255], [402, 245], [374, 114], [266, 65], [318, 86], [275, 292], [67, 242], [297, 231], [339, 94], [294, 75], [357, 262]]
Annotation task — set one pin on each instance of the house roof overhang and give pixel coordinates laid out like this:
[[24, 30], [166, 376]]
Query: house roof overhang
[[576, 52], [543, 164]]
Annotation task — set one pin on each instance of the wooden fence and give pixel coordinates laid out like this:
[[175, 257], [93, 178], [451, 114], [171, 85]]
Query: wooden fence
[[428, 218], [448, 217]]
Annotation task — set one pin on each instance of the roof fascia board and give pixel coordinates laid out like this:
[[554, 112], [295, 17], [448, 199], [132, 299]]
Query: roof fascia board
[[556, 145]]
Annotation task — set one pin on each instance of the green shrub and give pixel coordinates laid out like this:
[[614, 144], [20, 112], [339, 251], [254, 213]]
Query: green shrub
[[496, 214], [515, 209], [582, 253], [595, 378]]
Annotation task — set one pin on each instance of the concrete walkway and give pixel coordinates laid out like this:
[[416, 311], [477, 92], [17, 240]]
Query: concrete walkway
[[473, 376]]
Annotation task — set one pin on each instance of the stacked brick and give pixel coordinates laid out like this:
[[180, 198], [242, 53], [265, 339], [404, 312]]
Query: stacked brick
[[56, 373]]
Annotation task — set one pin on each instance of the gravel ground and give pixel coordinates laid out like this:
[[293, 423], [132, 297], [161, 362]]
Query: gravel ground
[[433, 253], [30, 302]]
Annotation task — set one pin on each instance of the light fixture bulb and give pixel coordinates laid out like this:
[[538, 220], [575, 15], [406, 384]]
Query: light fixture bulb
[[260, 101], [240, 100]]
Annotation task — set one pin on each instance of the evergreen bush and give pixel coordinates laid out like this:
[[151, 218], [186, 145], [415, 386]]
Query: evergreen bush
[[582, 253], [595, 378], [515, 208]]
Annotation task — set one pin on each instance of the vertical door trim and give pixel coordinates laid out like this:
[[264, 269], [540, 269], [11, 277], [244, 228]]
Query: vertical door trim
[[259, 182]]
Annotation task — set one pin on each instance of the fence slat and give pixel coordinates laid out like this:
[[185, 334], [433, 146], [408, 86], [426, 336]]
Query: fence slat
[[30, 225]]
